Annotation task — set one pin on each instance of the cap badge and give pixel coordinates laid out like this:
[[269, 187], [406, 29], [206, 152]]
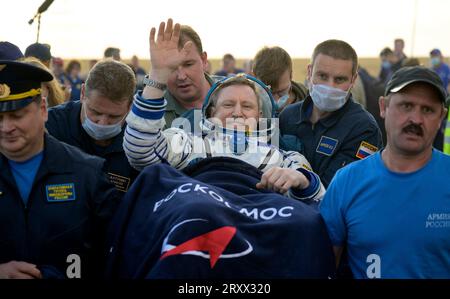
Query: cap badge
[[4, 91]]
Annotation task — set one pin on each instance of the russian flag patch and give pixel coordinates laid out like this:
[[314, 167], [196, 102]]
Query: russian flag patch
[[365, 149]]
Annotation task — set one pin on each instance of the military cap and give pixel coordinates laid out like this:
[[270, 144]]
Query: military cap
[[20, 82]]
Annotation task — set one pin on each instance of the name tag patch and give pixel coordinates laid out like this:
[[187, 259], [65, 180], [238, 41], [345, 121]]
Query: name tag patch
[[327, 145], [60, 192], [365, 149], [122, 183]]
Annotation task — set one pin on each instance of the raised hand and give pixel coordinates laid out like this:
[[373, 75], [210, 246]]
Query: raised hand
[[164, 52]]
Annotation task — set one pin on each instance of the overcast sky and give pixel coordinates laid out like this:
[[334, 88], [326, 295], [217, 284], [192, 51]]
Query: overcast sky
[[84, 28]]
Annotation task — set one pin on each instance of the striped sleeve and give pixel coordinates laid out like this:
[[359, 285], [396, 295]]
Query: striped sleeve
[[145, 143], [315, 192]]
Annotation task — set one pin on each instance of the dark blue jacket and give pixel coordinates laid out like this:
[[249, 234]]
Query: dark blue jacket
[[211, 222], [64, 124], [52, 227], [333, 142]]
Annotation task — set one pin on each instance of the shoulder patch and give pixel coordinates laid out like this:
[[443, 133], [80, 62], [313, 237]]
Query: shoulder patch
[[60, 192], [365, 149], [327, 145]]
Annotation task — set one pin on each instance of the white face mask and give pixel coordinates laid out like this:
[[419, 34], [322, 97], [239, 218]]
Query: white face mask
[[101, 132], [327, 98]]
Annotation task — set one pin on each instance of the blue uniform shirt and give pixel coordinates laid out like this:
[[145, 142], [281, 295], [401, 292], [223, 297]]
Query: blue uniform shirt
[[64, 124], [347, 135], [24, 174], [396, 222]]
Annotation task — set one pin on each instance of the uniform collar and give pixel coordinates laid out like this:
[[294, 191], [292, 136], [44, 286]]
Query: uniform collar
[[53, 161], [173, 105], [5, 172], [76, 131], [330, 120]]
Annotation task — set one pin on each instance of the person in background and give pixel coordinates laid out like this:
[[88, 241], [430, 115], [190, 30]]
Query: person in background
[[389, 64], [138, 71], [51, 91], [399, 46], [113, 53], [273, 66], [187, 84], [9, 51], [248, 66], [328, 127], [412, 61], [440, 67], [60, 76], [58, 69], [228, 66], [96, 123], [41, 52], [443, 70], [73, 76]]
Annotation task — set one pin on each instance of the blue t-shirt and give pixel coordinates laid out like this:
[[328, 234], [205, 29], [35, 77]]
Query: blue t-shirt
[[395, 225], [24, 174]]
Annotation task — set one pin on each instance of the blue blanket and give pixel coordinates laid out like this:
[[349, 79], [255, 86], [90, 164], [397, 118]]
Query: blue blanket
[[209, 221]]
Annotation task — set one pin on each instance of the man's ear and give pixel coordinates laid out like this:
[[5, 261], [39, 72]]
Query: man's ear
[[382, 105], [43, 109], [309, 72], [444, 113], [83, 92], [204, 58]]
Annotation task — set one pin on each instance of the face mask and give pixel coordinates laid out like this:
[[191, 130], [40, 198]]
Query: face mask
[[328, 98], [282, 101], [101, 132], [435, 61], [386, 64]]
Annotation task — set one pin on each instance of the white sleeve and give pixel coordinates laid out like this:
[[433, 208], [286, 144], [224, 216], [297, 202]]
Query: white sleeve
[[144, 141], [297, 161]]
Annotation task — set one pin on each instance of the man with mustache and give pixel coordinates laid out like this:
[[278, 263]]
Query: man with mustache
[[392, 209]]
